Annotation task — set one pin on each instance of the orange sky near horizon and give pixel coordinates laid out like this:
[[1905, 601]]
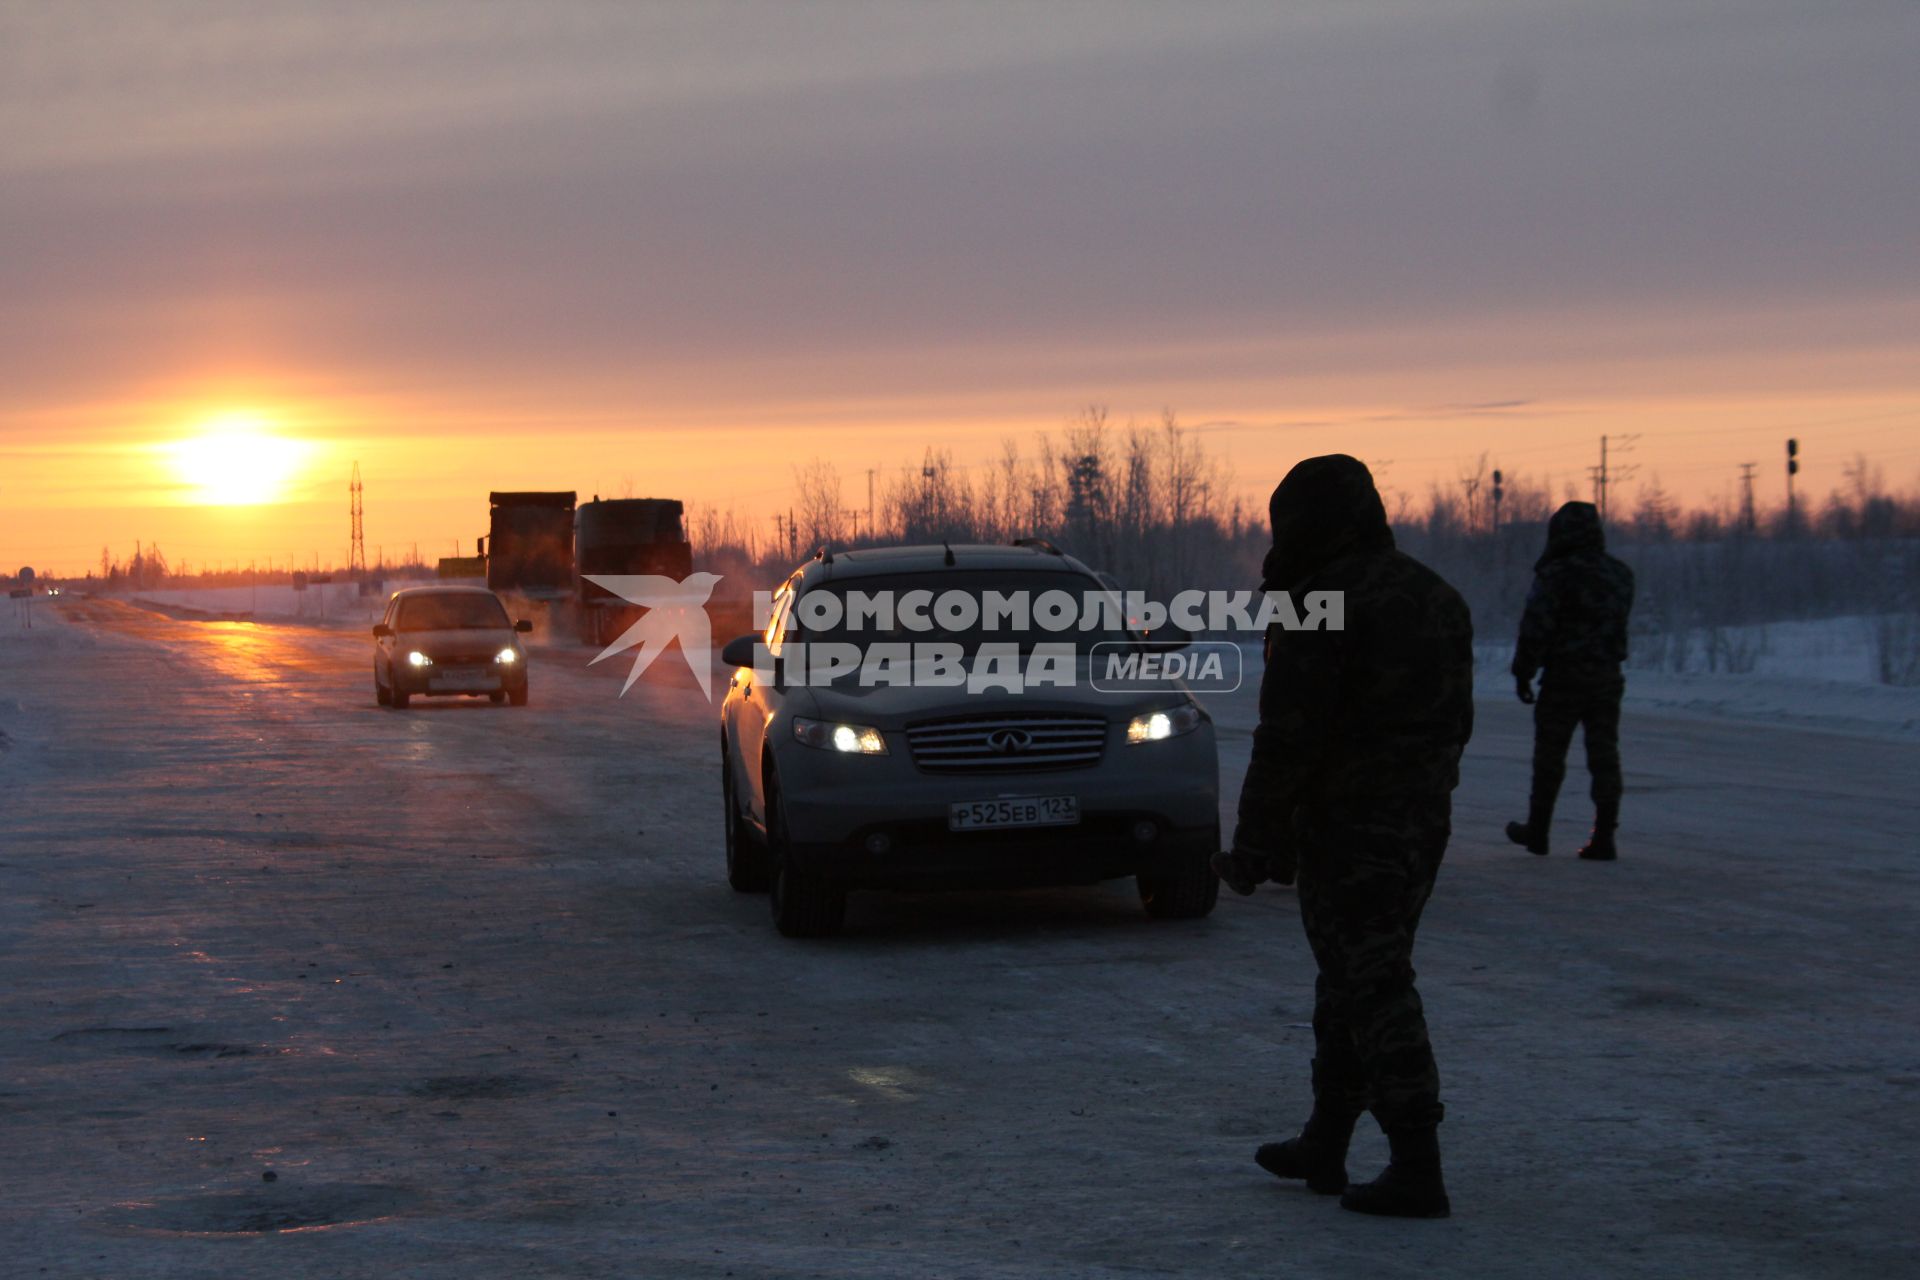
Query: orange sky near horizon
[[67, 496]]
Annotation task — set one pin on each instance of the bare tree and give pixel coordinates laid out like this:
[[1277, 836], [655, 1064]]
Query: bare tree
[[818, 512]]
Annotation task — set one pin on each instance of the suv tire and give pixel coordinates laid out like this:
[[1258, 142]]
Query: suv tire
[[1188, 893], [746, 860], [803, 905]]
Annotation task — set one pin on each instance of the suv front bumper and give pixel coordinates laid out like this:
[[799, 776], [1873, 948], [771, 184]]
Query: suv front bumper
[[882, 822]]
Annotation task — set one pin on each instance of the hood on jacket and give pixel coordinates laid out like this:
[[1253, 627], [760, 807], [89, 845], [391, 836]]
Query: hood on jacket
[[1324, 509], [1574, 528]]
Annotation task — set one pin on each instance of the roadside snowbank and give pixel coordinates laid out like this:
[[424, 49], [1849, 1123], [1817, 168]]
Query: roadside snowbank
[[329, 604]]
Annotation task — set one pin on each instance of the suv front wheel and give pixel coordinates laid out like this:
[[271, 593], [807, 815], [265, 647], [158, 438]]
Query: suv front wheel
[[746, 860], [1186, 893], [804, 905]]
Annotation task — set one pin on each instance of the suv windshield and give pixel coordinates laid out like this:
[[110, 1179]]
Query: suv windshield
[[467, 611], [987, 588]]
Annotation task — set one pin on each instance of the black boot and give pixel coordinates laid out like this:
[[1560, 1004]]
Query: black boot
[[1532, 834], [1410, 1185], [1318, 1155], [1599, 845]]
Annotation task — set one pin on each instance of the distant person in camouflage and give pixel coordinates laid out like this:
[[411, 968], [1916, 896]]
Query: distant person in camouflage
[[1574, 633], [1354, 763]]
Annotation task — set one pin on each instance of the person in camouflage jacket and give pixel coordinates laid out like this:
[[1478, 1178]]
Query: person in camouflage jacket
[[1350, 787], [1574, 631]]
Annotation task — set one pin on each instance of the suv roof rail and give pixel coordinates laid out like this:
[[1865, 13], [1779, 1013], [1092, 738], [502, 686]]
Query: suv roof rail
[[949, 547], [1038, 544]]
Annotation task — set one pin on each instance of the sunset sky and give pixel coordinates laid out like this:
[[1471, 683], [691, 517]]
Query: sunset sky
[[679, 249]]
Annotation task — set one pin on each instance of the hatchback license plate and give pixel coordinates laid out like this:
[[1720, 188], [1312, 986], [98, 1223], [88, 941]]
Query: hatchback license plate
[[1014, 811], [471, 678]]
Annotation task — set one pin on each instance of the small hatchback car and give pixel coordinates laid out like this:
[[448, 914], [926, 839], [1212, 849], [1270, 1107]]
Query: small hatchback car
[[448, 642], [849, 784]]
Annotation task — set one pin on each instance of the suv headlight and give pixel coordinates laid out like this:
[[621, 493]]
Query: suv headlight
[[507, 657], [418, 659], [1152, 726], [827, 735]]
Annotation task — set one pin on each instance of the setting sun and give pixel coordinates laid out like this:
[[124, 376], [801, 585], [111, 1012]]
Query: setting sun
[[236, 462]]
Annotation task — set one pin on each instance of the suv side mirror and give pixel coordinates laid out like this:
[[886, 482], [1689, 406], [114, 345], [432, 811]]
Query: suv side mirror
[[739, 651], [523, 626], [381, 630]]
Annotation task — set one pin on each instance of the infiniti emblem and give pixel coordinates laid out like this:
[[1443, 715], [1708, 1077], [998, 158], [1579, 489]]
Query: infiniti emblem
[[1008, 741]]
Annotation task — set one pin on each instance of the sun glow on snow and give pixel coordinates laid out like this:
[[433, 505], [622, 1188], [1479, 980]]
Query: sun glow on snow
[[236, 462]]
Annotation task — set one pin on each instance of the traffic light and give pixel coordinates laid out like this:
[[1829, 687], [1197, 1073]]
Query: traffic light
[[1793, 457]]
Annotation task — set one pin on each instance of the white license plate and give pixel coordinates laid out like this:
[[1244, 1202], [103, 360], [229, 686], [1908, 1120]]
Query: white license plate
[[457, 680], [1014, 811]]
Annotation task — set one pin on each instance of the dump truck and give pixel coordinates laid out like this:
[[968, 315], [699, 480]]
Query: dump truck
[[529, 545], [624, 536]]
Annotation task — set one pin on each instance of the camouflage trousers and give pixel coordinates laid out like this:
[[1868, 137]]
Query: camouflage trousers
[[1365, 877], [1564, 706]]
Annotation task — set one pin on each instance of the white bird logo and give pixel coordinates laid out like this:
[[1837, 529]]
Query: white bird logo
[[674, 611]]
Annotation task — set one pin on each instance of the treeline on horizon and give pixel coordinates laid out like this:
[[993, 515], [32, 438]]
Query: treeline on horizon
[[1149, 504]]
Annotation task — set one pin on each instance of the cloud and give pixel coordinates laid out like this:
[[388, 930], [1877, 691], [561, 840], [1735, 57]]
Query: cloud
[[749, 208]]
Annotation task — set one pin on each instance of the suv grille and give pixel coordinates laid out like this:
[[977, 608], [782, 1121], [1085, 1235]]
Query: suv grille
[[1009, 743]]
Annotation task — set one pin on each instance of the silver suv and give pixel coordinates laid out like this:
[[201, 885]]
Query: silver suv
[[843, 783]]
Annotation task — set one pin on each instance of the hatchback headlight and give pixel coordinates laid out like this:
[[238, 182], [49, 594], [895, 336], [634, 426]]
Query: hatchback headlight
[[827, 735], [418, 659], [1153, 726], [506, 657]]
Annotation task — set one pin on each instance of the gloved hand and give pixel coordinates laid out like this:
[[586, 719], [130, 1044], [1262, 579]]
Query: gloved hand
[[1524, 686], [1241, 870], [1246, 866]]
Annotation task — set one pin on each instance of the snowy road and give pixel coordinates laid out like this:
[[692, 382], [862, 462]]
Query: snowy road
[[469, 983]]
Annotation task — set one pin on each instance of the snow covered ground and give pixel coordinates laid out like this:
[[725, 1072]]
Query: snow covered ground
[[468, 983]]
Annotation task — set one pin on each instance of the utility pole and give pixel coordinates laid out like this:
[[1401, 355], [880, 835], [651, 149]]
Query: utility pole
[[1607, 473], [870, 525], [1599, 475], [793, 536], [357, 547], [779, 529], [1746, 495]]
